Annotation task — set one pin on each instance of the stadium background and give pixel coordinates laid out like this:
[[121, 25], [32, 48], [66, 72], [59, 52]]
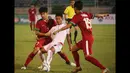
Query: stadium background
[[104, 45]]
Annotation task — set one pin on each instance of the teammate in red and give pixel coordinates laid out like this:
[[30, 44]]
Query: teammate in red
[[43, 25], [32, 16], [83, 20]]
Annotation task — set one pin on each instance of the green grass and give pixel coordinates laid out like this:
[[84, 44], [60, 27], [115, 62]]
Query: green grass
[[103, 50]]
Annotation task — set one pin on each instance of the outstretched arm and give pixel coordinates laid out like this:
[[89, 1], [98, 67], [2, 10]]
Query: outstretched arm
[[42, 34], [63, 28], [101, 15]]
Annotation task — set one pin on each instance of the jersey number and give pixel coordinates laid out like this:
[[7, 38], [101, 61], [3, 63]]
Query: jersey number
[[88, 23]]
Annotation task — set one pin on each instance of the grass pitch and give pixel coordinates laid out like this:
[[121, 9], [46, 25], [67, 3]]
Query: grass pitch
[[103, 50]]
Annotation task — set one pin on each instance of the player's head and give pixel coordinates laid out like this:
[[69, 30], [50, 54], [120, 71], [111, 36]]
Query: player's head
[[32, 5], [72, 2], [59, 18], [43, 12], [78, 6]]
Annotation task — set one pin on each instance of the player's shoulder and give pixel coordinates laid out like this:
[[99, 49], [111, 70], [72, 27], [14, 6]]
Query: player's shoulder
[[68, 7], [88, 13], [40, 20]]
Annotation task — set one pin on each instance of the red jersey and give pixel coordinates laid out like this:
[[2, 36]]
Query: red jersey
[[83, 20], [32, 13], [42, 26]]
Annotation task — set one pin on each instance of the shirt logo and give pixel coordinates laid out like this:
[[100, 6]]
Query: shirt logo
[[84, 15]]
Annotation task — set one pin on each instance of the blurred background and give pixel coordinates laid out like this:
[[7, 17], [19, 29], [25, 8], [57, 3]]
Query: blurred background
[[94, 6], [103, 31], [54, 6]]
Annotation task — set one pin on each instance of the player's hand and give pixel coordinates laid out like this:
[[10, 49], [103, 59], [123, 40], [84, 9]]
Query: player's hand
[[70, 47], [37, 38], [37, 32], [55, 32]]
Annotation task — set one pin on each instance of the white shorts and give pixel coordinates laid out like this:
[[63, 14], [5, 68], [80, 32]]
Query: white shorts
[[57, 46]]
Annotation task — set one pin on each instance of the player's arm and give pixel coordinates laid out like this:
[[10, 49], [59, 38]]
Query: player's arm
[[100, 15], [63, 28], [42, 34], [68, 40], [73, 22]]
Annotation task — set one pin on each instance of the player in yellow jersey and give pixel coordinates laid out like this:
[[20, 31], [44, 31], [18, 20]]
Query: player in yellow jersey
[[68, 15]]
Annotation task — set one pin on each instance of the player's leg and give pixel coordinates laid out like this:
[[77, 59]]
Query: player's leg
[[30, 58], [53, 50], [31, 25], [88, 51], [45, 49], [43, 58], [75, 54], [64, 56], [33, 53], [49, 58], [75, 33]]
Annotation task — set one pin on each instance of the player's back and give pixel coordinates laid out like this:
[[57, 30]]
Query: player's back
[[83, 20]]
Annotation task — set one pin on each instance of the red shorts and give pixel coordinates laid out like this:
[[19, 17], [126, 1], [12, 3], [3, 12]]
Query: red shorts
[[42, 41], [32, 18], [86, 46]]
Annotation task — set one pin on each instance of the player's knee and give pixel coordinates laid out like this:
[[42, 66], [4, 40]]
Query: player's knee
[[35, 50], [43, 50], [87, 57], [52, 49], [59, 53]]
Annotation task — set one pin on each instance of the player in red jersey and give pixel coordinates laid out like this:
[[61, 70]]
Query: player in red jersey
[[32, 16], [83, 20], [43, 26]]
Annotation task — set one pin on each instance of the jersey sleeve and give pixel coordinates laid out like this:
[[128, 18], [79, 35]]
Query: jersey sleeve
[[37, 26], [91, 16], [74, 20], [66, 11], [51, 30]]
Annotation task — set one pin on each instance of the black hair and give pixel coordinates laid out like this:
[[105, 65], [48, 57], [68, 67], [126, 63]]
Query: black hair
[[78, 5], [32, 4], [59, 14], [43, 9], [50, 23]]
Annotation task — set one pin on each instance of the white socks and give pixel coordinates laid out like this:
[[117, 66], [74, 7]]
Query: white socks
[[49, 56]]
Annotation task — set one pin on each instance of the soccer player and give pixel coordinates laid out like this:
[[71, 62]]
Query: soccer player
[[83, 20], [43, 25], [68, 15], [32, 16], [57, 40]]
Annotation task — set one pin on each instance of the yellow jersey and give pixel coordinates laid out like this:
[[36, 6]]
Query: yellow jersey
[[70, 12]]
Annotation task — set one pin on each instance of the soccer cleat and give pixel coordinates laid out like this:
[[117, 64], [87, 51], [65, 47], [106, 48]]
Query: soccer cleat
[[43, 69], [105, 70], [40, 67], [23, 68], [76, 70], [71, 63], [47, 67]]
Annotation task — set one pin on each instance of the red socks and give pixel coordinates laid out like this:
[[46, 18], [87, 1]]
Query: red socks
[[95, 62], [29, 59], [63, 56], [76, 58]]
